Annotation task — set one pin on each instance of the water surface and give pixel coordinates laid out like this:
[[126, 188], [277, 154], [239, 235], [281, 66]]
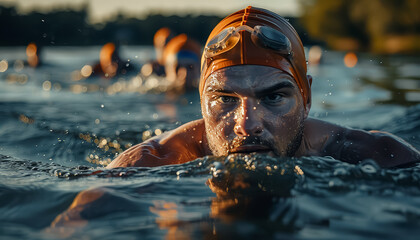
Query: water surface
[[56, 134]]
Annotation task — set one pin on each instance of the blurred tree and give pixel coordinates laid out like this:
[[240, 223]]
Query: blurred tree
[[378, 25], [71, 27]]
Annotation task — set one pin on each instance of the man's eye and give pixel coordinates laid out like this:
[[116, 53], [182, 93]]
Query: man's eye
[[272, 98], [227, 99]]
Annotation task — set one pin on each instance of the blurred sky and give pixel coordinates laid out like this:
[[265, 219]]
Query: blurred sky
[[102, 9]]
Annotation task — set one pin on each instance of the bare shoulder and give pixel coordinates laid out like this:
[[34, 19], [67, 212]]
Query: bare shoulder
[[319, 136], [385, 148], [180, 145], [355, 145]]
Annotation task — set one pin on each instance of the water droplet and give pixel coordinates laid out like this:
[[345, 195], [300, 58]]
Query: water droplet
[[181, 172], [369, 167]]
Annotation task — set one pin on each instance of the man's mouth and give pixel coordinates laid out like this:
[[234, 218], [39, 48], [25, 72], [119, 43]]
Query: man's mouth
[[248, 148]]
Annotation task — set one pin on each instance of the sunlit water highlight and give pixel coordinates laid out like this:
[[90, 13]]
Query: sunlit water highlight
[[54, 139]]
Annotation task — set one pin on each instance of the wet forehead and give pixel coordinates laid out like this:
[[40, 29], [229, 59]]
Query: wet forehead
[[244, 78]]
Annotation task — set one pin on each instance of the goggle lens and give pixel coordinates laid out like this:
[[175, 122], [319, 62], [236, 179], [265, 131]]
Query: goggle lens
[[223, 42], [271, 38], [262, 36]]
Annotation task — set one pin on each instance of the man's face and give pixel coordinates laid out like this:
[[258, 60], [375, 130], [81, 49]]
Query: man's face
[[250, 108]]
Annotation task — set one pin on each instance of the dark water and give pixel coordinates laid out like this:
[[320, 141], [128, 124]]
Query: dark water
[[57, 133]]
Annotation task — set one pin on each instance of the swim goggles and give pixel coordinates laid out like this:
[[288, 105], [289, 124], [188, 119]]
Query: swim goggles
[[262, 36]]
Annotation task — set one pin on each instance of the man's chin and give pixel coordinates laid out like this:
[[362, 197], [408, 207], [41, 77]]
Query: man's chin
[[253, 150]]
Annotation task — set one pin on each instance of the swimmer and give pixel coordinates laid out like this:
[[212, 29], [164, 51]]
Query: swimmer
[[33, 55], [256, 97], [160, 40], [110, 64], [181, 59]]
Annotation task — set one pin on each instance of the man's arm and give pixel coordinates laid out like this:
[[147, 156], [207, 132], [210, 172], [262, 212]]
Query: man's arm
[[386, 149], [180, 145]]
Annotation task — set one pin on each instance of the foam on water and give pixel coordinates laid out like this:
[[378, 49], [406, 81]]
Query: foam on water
[[245, 196]]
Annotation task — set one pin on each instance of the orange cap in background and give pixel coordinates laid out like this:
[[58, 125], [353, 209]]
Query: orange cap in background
[[160, 39], [180, 43], [247, 53], [105, 56]]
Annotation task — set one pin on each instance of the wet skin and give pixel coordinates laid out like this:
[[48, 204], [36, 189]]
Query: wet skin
[[251, 108], [248, 109]]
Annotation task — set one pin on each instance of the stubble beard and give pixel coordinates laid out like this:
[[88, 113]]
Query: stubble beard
[[224, 150], [294, 145]]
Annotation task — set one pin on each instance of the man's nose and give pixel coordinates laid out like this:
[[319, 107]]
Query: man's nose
[[248, 121]]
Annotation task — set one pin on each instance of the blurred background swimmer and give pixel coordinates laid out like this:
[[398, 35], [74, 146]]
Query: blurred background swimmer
[[181, 58], [160, 40], [110, 63], [33, 55], [176, 68]]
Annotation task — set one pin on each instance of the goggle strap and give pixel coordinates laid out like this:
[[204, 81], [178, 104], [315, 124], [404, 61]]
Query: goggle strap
[[246, 14]]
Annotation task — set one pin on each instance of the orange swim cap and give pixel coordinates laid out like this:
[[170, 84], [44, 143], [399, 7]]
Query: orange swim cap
[[105, 59], [246, 52], [160, 39]]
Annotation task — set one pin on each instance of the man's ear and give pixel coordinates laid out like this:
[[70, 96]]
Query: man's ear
[[309, 97]]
